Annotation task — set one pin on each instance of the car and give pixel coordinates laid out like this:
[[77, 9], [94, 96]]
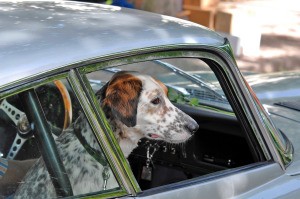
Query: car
[[55, 57]]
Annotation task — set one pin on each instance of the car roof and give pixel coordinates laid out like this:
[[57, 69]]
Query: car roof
[[40, 36]]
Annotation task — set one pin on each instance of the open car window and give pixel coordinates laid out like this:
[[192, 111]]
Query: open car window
[[221, 143], [45, 133]]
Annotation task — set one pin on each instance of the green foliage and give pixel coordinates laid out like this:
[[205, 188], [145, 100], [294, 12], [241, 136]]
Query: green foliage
[[179, 98], [194, 102]]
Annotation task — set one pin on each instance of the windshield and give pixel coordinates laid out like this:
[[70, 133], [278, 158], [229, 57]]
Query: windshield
[[200, 84]]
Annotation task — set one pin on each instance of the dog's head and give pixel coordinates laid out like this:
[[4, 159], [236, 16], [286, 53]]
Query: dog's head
[[141, 104]]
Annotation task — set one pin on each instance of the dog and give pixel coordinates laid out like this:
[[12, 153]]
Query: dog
[[136, 106]]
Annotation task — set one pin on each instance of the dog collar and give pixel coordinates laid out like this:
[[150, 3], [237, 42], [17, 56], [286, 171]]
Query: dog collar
[[96, 154]]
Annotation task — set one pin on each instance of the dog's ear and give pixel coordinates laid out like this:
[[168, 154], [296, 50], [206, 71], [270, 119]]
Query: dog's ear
[[100, 94], [121, 97]]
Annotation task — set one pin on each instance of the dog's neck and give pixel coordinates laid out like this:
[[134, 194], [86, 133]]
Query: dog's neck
[[127, 137]]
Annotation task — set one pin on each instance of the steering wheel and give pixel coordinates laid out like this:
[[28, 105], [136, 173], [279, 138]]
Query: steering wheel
[[19, 118]]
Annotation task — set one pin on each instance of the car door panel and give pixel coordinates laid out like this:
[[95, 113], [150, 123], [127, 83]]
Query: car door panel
[[222, 186]]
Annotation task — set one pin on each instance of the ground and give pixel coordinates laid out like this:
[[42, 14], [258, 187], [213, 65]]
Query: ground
[[280, 42]]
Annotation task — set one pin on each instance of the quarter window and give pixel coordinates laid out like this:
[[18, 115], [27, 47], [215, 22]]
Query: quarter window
[[45, 132]]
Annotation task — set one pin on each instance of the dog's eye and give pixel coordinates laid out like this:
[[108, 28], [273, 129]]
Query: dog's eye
[[155, 101]]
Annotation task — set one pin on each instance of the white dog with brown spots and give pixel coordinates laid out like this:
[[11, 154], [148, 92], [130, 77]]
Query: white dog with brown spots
[[136, 107]]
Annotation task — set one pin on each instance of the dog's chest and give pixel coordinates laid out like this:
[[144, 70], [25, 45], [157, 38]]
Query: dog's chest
[[85, 172]]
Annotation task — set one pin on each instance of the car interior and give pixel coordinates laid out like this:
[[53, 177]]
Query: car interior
[[221, 142]]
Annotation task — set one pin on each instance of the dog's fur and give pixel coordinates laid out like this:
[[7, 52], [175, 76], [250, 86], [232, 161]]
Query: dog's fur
[[136, 106]]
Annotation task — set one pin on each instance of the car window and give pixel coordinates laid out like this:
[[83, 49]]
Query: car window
[[52, 144], [219, 144]]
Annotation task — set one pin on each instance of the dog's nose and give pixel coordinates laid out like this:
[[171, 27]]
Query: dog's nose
[[192, 127]]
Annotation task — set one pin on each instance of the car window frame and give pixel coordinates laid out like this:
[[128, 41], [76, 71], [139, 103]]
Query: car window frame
[[103, 135], [267, 134], [227, 72]]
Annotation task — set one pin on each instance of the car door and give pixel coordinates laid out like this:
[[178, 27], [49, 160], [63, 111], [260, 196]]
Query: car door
[[226, 157]]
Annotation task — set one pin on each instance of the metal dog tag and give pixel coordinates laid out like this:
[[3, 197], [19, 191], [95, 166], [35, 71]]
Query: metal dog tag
[[105, 176], [146, 173]]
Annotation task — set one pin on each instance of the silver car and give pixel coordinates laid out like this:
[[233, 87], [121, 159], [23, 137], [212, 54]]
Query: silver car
[[55, 55]]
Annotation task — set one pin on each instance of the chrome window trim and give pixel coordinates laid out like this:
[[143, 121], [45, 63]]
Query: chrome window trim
[[100, 135], [114, 146], [269, 132], [286, 150], [33, 82]]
